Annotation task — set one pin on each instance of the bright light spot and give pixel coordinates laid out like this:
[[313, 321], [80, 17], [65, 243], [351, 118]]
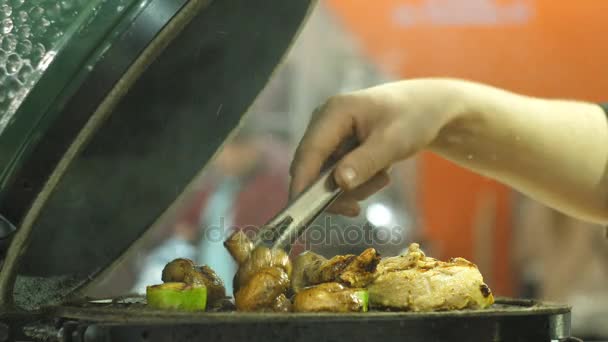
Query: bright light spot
[[379, 215]]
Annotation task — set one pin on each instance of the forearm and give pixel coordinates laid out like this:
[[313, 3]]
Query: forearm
[[554, 151]]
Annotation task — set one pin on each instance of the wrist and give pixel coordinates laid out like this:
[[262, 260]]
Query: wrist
[[461, 112]]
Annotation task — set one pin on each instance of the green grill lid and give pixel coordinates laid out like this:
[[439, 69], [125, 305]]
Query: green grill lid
[[108, 109]]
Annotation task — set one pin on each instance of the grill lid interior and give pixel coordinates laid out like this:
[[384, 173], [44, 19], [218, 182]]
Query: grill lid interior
[[144, 111]]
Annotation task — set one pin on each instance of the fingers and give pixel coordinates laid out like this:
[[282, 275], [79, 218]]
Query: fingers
[[364, 162], [375, 184], [348, 204], [345, 206], [331, 124]]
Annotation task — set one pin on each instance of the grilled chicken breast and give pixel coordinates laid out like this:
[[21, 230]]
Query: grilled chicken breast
[[416, 282]]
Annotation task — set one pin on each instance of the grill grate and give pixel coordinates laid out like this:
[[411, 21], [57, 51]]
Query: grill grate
[[128, 319]]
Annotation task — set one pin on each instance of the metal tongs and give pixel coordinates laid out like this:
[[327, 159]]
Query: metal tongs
[[286, 227]]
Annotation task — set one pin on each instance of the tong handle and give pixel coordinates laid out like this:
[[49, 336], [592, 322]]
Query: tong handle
[[285, 228]]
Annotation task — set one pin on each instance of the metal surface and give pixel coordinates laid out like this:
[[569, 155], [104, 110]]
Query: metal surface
[[7, 229], [285, 228], [508, 320], [101, 73], [147, 121], [48, 160], [4, 332], [291, 222], [43, 54]]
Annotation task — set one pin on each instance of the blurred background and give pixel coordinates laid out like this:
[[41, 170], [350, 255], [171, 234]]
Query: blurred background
[[539, 47]]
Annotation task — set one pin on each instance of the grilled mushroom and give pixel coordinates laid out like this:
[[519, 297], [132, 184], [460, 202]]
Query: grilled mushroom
[[262, 280], [330, 297], [185, 271]]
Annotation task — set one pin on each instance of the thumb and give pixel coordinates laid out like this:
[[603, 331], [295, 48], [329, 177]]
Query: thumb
[[363, 163]]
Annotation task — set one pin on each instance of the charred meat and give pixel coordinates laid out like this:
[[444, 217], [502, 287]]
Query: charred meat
[[351, 270]]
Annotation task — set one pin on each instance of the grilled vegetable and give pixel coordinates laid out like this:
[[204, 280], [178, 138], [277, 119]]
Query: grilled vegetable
[[178, 296], [262, 281], [363, 296], [263, 290], [185, 271], [331, 297]]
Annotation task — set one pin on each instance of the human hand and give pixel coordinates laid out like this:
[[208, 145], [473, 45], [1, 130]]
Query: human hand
[[391, 122]]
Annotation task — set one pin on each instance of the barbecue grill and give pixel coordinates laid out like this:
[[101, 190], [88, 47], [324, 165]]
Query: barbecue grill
[[108, 110]]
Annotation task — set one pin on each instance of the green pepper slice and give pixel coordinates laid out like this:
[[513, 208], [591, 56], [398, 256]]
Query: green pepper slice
[[177, 296]]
